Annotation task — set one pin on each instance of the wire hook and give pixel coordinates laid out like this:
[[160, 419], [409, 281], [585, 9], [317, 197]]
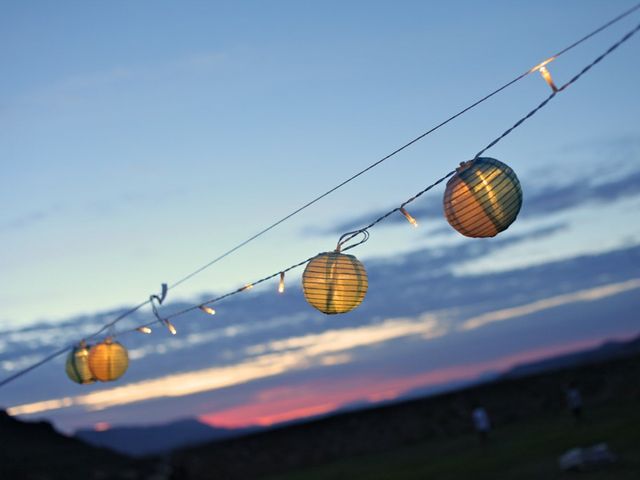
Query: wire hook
[[152, 300], [351, 235]]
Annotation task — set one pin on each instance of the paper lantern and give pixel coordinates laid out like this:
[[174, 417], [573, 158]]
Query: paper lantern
[[483, 198], [108, 360], [334, 282], [77, 366]]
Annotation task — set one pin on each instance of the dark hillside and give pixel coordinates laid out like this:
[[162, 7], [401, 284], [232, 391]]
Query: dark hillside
[[605, 352], [384, 429], [34, 450], [139, 441]]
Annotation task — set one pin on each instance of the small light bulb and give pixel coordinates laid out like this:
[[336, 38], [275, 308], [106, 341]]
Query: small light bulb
[[408, 216], [281, 284], [547, 78], [248, 286], [145, 330], [542, 64], [207, 309], [171, 328]]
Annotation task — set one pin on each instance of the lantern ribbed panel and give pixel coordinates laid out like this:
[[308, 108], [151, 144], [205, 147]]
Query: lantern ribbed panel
[[334, 282], [483, 199], [108, 360], [77, 366]]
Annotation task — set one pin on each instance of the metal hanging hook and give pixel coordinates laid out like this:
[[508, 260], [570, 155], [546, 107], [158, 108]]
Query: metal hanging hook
[[152, 300], [163, 294], [350, 236]]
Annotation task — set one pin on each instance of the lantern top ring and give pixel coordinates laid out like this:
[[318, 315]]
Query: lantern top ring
[[464, 165], [350, 236]]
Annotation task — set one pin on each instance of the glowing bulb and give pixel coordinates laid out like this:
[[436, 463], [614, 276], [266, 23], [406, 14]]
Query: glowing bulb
[[281, 284], [547, 78], [145, 330], [248, 286], [171, 328], [207, 309], [408, 216], [542, 64]]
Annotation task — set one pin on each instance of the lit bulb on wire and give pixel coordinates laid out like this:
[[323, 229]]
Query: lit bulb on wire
[[409, 218], [170, 327], [546, 74], [208, 310], [542, 64]]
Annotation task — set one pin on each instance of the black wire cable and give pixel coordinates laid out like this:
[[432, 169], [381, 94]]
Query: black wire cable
[[373, 165], [598, 30], [561, 89], [365, 229], [132, 310], [400, 149]]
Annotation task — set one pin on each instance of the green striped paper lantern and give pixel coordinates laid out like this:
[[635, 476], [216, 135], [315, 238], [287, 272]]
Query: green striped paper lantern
[[334, 282], [483, 198], [77, 365]]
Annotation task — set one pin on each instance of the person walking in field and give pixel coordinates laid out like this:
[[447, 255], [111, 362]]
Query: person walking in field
[[481, 422], [574, 401]]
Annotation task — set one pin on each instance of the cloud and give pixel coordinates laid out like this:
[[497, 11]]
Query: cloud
[[540, 202], [618, 150], [310, 351], [70, 88], [27, 219], [415, 309], [286, 355], [102, 206], [588, 295], [312, 397], [555, 199]]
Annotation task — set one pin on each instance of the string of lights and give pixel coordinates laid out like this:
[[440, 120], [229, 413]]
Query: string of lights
[[403, 147], [540, 67], [206, 306]]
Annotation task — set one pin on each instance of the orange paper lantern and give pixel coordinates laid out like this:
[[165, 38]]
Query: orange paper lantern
[[108, 360]]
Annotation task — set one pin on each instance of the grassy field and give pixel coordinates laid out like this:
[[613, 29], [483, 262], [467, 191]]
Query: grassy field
[[523, 450]]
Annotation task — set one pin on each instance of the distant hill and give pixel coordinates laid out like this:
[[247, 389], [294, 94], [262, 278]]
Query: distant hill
[[34, 450], [385, 428], [607, 351], [148, 440], [140, 441]]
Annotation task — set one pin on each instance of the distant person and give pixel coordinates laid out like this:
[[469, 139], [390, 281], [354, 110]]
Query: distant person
[[481, 422], [574, 401]]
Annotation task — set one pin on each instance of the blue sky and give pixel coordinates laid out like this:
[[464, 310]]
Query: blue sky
[[140, 140]]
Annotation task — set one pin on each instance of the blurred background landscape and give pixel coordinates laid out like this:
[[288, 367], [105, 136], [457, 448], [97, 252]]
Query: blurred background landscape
[[425, 436], [139, 141]]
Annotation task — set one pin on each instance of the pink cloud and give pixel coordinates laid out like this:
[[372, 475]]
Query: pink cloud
[[279, 404]]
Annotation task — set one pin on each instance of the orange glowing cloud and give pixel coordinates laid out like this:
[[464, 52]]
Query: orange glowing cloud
[[101, 427], [316, 397], [332, 347], [296, 353]]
